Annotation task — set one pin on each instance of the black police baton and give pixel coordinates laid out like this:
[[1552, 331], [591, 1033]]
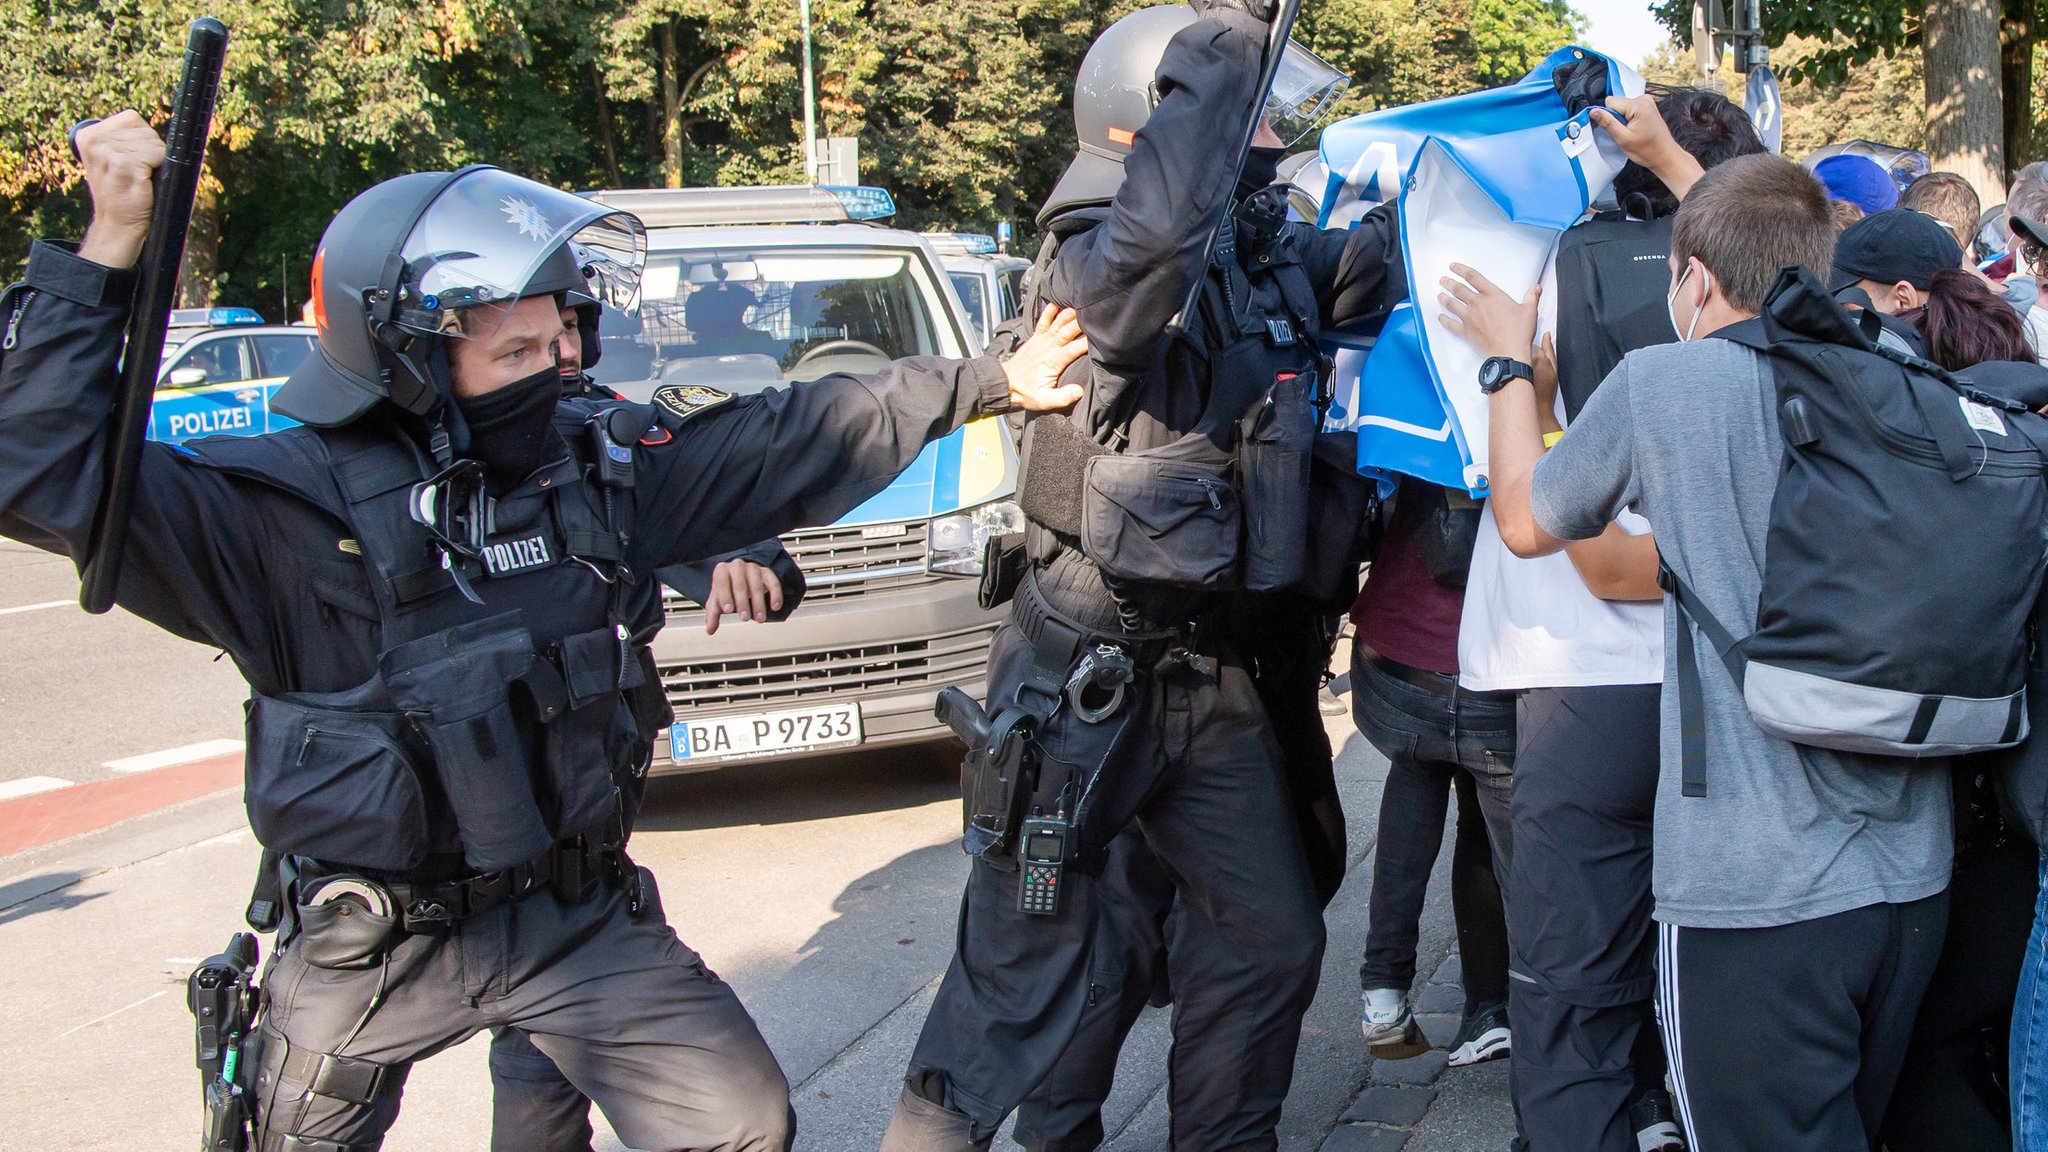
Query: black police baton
[[177, 185], [1269, 66]]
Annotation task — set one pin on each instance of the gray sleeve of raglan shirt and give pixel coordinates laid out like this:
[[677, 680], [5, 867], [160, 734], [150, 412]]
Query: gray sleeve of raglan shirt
[[1590, 475]]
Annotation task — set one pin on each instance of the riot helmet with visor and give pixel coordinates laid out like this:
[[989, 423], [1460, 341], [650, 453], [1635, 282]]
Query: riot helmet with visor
[[406, 265]]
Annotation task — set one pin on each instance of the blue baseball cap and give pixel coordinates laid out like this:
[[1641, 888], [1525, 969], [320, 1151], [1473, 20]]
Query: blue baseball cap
[[1859, 180]]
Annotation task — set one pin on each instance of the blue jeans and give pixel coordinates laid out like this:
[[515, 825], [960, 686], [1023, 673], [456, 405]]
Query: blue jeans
[[2029, 1060], [1438, 739]]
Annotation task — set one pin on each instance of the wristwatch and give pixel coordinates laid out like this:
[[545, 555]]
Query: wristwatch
[[1498, 370]]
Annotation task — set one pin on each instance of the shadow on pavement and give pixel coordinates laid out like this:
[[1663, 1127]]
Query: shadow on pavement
[[43, 892], [816, 788]]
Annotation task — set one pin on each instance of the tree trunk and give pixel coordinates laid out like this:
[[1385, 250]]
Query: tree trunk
[[201, 267], [2016, 67], [1965, 117], [671, 110], [610, 137]]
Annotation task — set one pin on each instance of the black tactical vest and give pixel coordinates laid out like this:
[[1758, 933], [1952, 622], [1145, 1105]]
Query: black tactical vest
[[1213, 504], [487, 732]]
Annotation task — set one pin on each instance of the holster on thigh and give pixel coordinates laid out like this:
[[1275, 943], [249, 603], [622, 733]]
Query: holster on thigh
[[297, 1085]]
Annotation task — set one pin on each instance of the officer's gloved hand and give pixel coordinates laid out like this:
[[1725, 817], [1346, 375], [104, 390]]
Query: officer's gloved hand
[[1262, 10]]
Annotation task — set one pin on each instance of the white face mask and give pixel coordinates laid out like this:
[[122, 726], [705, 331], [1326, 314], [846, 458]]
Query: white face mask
[[1671, 299]]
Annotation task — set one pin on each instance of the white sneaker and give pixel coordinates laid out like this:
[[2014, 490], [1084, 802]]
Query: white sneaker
[[1390, 1029], [1482, 1036]]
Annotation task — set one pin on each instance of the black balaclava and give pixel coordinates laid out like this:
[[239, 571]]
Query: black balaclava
[[1261, 167], [508, 427]]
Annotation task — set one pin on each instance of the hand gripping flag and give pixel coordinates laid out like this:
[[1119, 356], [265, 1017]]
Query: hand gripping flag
[[1488, 180]]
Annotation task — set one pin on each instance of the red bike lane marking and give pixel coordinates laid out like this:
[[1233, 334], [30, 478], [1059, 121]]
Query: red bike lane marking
[[46, 817]]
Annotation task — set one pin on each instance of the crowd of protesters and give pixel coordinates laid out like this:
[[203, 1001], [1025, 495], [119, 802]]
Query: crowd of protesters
[[1813, 954]]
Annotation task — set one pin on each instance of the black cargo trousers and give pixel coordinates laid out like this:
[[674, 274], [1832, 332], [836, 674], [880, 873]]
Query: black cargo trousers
[[1134, 895], [1192, 762], [627, 1011]]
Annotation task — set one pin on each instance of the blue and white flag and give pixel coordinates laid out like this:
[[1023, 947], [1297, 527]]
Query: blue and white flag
[[1487, 180]]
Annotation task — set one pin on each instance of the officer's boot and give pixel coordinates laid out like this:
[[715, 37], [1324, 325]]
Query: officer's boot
[[922, 1126]]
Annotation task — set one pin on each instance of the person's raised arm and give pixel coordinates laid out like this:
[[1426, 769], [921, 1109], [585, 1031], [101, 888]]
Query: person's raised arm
[[193, 561], [1128, 276], [1618, 566], [1497, 324]]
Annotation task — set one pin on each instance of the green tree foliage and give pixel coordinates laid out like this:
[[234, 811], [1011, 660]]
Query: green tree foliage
[[1865, 46], [1403, 51], [1880, 101], [961, 106]]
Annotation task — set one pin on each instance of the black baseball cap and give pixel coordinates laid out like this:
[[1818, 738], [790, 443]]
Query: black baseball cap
[[2027, 229], [1893, 245]]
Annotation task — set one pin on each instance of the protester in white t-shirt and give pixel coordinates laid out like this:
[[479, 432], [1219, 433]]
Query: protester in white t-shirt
[[1581, 635]]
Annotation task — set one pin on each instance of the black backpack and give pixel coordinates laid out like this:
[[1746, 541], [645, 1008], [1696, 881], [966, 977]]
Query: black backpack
[[1907, 543]]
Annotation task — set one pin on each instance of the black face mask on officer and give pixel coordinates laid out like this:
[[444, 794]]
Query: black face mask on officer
[[508, 426], [1261, 167]]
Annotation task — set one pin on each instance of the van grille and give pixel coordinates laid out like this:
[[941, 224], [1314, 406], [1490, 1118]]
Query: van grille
[[839, 563], [835, 674]]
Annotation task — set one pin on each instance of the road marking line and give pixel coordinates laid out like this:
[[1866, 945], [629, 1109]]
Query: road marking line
[[30, 786], [115, 1012], [39, 607], [150, 761]]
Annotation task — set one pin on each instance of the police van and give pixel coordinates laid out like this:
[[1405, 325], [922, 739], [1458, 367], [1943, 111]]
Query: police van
[[219, 369], [748, 289], [990, 283]]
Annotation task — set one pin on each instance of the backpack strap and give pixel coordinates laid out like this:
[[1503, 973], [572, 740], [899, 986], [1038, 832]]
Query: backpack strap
[[1692, 710]]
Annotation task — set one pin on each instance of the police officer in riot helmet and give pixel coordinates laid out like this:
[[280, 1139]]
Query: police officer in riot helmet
[[441, 590], [1177, 488]]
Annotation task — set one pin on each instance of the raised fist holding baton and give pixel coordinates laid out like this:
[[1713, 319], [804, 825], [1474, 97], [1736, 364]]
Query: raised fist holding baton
[[121, 155], [142, 193]]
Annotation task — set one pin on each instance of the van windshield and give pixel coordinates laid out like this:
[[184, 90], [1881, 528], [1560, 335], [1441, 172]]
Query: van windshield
[[745, 320]]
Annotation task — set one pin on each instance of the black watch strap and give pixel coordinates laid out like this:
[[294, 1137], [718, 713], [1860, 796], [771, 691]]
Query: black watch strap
[[1496, 371]]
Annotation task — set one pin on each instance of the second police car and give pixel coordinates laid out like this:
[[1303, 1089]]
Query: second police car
[[219, 368]]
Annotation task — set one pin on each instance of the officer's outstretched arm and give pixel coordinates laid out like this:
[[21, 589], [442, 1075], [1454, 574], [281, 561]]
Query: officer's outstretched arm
[[1129, 276], [191, 550], [717, 472]]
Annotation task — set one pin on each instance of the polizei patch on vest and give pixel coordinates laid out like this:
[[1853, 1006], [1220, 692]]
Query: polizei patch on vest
[[522, 555], [676, 403]]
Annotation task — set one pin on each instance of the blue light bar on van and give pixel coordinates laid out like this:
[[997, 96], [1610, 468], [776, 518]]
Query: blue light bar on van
[[213, 317], [863, 201], [962, 243]]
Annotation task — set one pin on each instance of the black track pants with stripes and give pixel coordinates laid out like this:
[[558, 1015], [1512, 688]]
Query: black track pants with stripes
[[1789, 1039]]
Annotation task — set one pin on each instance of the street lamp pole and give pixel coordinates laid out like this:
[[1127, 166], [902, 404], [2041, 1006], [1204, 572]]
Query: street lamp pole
[[810, 97]]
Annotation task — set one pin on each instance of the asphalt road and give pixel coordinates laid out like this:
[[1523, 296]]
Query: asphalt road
[[825, 891], [78, 691]]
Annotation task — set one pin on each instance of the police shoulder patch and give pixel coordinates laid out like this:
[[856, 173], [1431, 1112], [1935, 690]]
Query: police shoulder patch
[[675, 403]]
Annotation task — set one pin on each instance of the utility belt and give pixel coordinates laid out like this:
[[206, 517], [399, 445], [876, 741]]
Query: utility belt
[[576, 870], [1088, 668]]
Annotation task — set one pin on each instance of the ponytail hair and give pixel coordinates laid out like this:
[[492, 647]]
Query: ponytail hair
[[1965, 323]]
